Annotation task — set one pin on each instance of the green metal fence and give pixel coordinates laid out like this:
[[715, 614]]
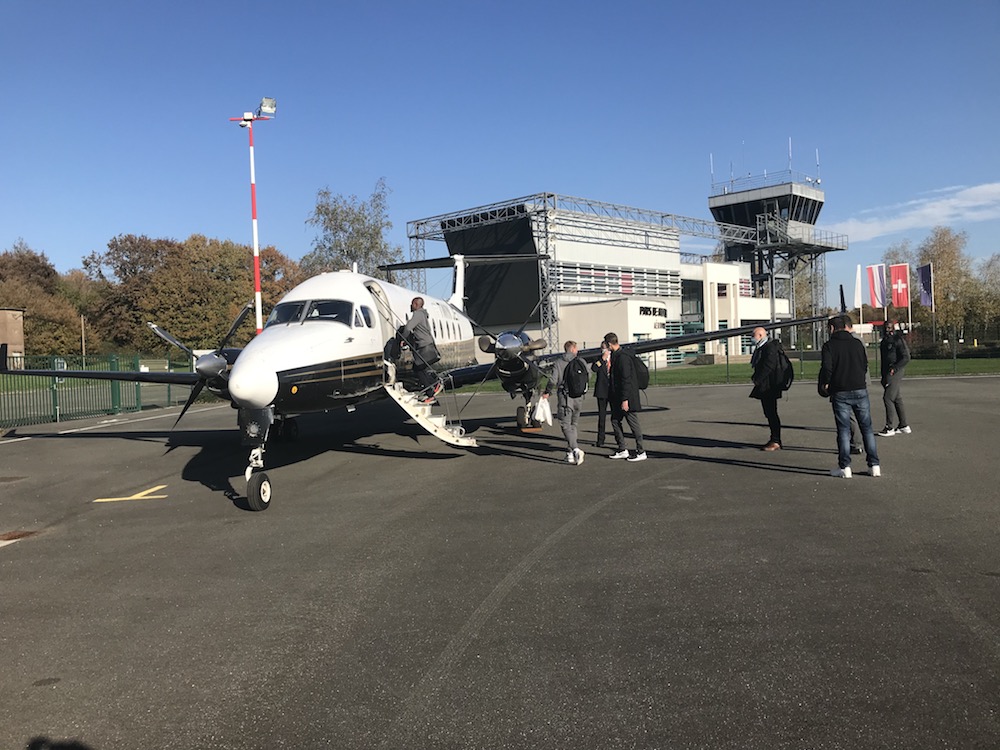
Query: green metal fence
[[31, 399]]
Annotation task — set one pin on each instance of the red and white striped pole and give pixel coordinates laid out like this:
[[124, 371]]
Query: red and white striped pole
[[247, 122]]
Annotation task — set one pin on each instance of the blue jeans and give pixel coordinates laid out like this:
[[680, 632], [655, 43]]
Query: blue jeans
[[844, 403]]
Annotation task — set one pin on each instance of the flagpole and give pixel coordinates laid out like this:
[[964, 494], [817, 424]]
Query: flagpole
[[859, 297], [909, 302], [933, 304]]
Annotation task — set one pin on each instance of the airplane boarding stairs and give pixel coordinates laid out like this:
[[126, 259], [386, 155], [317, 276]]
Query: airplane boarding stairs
[[437, 425]]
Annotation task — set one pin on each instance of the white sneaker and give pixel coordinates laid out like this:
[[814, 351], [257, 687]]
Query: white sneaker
[[639, 457], [887, 432], [844, 473], [619, 454], [876, 471], [904, 430], [571, 458], [579, 456]]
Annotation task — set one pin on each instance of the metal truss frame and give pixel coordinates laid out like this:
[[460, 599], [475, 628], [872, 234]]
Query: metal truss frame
[[559, 217]]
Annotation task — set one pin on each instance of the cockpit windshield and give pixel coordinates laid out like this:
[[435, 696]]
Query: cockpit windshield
[[286, 312], [336, 310]]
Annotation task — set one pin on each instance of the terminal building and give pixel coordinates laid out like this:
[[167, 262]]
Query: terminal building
[[584, 267]]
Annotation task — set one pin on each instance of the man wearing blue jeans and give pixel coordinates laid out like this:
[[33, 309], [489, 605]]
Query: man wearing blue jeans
[[843, 379]]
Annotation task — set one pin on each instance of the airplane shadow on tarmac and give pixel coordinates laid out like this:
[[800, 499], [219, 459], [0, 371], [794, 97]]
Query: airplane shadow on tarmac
[[697, 442], [782, 468], [44, 743], [220, 456], [761, 424]]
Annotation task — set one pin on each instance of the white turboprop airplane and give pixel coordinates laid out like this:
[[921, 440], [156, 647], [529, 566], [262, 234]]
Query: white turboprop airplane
[[325, 346]]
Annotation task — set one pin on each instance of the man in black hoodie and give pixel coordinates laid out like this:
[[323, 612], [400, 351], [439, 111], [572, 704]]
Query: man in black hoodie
[[895, 358], [842, 378]]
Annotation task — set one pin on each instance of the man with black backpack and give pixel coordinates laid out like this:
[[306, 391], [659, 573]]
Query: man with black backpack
[[624, 397], [570, 378], [772, 374]]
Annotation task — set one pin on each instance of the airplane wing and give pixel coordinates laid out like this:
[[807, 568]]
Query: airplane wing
[[672, 342], [132, 376], [477, 373]]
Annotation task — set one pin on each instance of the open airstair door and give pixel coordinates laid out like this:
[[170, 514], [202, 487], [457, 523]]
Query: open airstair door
[[387, 322], [436, 424]]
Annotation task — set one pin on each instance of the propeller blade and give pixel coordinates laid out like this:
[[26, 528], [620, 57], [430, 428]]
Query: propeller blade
[[485, 378], [169, 339], [533, 311], [195, 391], [236, 324]]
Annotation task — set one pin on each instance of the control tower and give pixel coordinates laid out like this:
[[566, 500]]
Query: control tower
[[788, 258]]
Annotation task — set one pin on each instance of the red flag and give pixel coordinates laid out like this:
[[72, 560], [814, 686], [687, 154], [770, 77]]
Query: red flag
[[899, 278]]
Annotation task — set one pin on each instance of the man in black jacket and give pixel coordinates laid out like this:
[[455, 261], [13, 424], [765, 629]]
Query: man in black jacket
[[624, 397], [842, 378], [767, 375], [895, 358], [603, 369]]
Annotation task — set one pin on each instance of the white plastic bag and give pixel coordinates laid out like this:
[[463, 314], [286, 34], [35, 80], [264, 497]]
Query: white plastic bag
[[543, 412]]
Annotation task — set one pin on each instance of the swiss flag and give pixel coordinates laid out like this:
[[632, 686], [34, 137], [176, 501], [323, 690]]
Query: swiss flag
[[899, 279]]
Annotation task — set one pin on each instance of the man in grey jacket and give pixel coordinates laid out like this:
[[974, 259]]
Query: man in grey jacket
[[568, 407], [417, 333]]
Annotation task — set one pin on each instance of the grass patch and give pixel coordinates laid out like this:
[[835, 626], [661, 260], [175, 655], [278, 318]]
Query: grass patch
[[806, 371]]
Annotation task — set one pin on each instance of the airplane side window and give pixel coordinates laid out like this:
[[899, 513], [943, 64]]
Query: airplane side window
[[339, 311], [369, 317]]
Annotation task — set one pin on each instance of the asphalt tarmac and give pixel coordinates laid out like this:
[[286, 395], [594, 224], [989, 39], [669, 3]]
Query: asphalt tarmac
[[400, 593]]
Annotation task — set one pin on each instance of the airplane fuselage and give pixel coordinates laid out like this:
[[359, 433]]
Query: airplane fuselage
[[323, 345]]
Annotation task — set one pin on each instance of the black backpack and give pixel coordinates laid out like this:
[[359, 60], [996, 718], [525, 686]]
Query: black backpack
[[787, 370], [641, 372], [576, 378]]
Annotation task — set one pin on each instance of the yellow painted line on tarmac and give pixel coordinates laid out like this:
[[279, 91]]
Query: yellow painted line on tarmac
[[144, 495]]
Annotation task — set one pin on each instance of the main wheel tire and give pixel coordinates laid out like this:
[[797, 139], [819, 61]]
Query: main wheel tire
[[259, 491], [522, 416]]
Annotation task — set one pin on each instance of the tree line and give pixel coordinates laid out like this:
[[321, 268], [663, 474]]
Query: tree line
[[193, 288], [966, 290]]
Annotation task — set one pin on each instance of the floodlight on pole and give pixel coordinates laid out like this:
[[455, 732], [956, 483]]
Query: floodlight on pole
[[266, 110]]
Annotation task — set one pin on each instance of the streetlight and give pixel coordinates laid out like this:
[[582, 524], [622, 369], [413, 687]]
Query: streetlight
[[266, 110]]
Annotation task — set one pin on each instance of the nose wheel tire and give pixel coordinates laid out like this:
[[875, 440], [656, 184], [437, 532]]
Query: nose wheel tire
[[259, 491]]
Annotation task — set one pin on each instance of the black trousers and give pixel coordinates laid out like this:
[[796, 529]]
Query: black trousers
[[617, 415], [602, 420], [426, 376], [892, 399], [770, 407]]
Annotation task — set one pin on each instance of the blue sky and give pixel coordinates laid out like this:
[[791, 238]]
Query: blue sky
[[116, 117]]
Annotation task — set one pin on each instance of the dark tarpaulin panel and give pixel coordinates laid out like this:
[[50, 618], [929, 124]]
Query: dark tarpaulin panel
[[502, 294]]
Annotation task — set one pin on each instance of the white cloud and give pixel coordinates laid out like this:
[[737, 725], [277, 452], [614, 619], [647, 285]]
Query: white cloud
[[955, 205]]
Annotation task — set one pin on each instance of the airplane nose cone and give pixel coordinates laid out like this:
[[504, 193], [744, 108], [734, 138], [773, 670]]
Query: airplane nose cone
[[253, 388]]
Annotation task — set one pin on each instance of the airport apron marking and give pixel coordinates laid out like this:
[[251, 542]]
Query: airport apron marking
[[144, 495]]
